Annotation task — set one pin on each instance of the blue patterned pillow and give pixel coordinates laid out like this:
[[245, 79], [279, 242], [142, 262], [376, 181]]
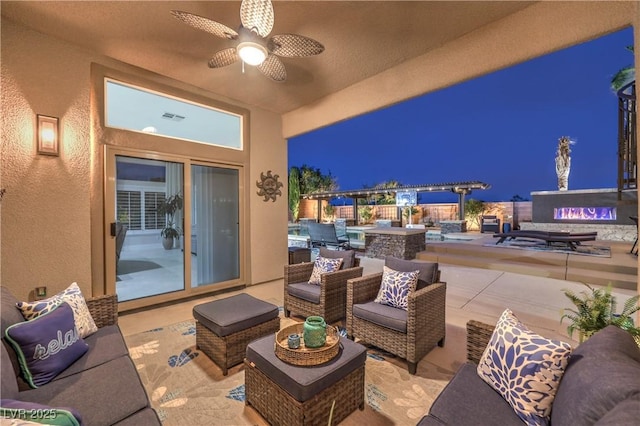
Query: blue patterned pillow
[[524, 367], [46, 345], [395, 287], [323, 265], [73, 296]]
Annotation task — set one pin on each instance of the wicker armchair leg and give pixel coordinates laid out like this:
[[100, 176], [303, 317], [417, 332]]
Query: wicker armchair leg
[[413, 367], [287, 313], [441, 342]]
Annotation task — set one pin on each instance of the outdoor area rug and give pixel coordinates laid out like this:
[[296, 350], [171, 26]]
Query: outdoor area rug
[[537, 245], [186, 387]]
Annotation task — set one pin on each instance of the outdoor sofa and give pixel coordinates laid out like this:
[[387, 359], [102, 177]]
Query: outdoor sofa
[[600, 386], [102, 387]]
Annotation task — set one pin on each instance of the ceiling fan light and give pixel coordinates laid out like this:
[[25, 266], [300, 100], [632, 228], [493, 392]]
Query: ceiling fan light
[[252, 53]]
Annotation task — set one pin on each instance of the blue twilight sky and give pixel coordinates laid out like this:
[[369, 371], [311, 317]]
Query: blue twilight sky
[[502, 129]]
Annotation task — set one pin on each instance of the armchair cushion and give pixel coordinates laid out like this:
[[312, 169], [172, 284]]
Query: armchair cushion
[[347, 256], [383, 315], [323, 265], [428, 271], [395, 287], [305, 291], [524, 367]]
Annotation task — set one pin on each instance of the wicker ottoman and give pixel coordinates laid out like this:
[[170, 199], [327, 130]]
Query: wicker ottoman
[[285, 394], [224, 327]]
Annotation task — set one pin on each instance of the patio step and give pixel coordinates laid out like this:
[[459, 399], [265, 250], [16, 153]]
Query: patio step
[[621, 269], [525, 268]]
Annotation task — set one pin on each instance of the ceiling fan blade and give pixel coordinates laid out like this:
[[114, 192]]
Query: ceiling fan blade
[[273, 68], [294, 46], [205, 24], [223, 58], [257, 15]]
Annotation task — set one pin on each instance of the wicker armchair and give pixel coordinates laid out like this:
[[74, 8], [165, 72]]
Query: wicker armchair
[[425, 320], [104, 309], [333, 291], [478, 336]]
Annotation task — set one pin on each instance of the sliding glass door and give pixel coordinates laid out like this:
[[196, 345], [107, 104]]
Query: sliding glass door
[[215, 226], [174, 226]]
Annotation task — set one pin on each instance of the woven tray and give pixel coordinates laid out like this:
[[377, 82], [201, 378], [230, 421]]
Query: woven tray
[[303, 355]]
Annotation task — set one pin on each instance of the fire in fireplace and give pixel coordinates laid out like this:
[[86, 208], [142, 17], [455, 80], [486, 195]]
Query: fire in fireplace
[[585, 213]]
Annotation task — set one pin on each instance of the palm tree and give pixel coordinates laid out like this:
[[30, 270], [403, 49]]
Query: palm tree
[[623, 77]]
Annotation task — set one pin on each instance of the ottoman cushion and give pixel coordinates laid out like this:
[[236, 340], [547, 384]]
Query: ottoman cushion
[[233, 314], [300, 382]]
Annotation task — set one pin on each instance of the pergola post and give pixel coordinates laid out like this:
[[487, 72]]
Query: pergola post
[[355, 210], [319, 218], [461, 194]]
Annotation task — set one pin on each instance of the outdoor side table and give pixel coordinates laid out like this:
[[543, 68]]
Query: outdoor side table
[[299, 255], [224, 327], [286, 394]]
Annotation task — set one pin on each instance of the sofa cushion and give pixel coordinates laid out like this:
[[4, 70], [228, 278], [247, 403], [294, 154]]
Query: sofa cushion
[[609, 360], [395, 287], [304, 383], [104, 395], [146, 416], [305, 291], [104, 345], [323, 265], [46, 345], [468, 401], [347, 256], [383, 315], [9, 384], [73, 296], [428, 270], [39, 413], [10, 315], [524, 367]]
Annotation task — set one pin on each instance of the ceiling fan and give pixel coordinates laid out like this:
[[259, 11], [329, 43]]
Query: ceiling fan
[[254, 48]]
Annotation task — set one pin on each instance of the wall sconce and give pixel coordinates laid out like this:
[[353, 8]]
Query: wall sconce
[[48, 133]]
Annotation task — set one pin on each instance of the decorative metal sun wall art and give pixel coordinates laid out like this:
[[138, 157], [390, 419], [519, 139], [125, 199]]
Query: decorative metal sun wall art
[[269, 186]]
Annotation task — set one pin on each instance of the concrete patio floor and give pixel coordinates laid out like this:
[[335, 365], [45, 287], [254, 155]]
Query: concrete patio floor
[[472, 293]]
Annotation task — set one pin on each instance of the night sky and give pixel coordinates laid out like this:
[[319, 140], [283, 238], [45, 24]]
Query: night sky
[[501, 129]]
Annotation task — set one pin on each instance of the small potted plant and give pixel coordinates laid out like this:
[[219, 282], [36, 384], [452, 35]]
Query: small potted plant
[[169, 206], [595, 310]]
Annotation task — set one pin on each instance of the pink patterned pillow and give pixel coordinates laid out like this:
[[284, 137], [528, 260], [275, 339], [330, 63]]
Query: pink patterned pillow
[[321, 266]]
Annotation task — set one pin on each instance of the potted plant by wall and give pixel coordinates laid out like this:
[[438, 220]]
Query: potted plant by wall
[[595, 309], [169, 206]]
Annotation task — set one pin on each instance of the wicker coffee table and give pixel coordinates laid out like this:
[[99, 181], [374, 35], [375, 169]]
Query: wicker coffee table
[[224, 327], [286, 394]]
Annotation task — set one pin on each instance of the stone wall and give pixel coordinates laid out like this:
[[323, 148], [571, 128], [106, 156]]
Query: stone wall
[[605, 232], [380, 245], [451, 226]]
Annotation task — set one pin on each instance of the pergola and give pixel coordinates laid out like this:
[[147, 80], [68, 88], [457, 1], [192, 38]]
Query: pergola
[[460, 188]]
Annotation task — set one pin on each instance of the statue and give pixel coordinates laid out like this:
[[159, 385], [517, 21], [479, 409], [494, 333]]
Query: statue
[[563, 162]]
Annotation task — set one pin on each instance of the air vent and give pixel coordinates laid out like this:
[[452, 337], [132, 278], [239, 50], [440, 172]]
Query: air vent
[[173, 117]]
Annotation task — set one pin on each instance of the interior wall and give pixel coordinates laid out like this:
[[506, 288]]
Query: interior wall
[[48, 222], [534, 31]]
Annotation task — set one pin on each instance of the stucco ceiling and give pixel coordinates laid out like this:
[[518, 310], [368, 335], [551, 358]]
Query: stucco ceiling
[[361, 39]]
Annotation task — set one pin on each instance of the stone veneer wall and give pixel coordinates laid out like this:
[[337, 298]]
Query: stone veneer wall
[[400, 246], [451, 226], [605, 232]]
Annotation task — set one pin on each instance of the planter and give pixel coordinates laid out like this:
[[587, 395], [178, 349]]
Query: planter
[[167, 243]]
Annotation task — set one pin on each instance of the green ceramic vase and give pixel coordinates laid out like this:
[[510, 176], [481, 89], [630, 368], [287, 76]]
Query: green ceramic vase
[[314, 332]]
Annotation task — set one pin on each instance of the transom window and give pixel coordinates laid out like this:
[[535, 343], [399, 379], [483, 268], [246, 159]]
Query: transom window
[[137, 109]]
